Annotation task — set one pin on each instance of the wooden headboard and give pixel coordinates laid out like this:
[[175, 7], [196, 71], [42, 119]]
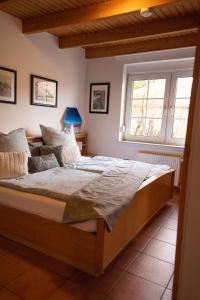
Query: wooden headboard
[[80, 138], [33, 139]]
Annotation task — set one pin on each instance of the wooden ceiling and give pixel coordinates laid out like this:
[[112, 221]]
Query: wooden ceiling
[[110, 27]]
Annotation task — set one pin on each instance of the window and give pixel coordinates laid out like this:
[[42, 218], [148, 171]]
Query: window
[[157, 107]]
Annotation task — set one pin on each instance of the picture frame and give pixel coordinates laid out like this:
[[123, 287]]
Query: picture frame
[[99, 98], [8, 86], [44, 91]]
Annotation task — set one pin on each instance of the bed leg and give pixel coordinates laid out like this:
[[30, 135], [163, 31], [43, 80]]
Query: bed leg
[[99, 247]]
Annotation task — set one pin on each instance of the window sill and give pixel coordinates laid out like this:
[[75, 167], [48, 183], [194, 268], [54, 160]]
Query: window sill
[[152, 144]]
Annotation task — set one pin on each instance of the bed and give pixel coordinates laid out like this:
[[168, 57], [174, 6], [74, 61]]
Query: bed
[[89, 246]]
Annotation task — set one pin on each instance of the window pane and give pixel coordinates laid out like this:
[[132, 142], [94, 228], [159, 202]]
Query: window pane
[[138, 108], [137, 126], [181, 108], [155, 108], [153, 127], [179, 129], [139, 88], [183, 87], [156, 88], [182, 103]]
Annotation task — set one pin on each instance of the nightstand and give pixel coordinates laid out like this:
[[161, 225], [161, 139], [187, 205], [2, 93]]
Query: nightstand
[[82, 138]]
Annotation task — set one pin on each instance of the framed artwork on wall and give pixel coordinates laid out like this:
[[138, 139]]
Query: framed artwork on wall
[[99, 98], [8, 86], [44, 91]]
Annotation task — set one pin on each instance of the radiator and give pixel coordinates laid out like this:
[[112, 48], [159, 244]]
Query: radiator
[[171, 159]]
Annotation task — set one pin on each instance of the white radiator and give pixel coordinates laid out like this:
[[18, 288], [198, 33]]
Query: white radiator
[[171, 159]]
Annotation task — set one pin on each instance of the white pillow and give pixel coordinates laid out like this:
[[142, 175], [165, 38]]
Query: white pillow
[[54, 137], [71, 154], [13, 164]]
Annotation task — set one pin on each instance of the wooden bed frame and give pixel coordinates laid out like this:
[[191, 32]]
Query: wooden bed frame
[[89, 252]]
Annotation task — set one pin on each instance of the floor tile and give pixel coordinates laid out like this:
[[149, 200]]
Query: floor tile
[[167, 295], [174, 215], [150, 230], [58, 267], [159, 220], [139, 243], [167, 210], [102, 284], [74, 291], [6, 295], [7, 246], [166, 235], [152, 269], [124, 259], [161, 250], [30, 254], [170, 285], [171, 224], [37, 284], [131, 287], [12, 266]]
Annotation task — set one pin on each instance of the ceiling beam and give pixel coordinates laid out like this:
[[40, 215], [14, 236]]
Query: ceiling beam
[[140, 47], [89, 13], [139, 31]]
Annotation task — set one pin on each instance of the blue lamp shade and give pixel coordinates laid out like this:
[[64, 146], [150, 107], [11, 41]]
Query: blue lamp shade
[[72, 117]]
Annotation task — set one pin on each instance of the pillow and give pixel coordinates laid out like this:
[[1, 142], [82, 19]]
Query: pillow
[[13, 164], [54, 137], [56, 150], [15, 141], [42, 163], [71, 154], [35, 148]]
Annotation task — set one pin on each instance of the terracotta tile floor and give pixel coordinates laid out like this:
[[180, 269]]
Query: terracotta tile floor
[[143, 271]]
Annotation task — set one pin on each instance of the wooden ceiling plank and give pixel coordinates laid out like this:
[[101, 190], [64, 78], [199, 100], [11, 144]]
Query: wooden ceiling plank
[[140, 47], [89, 13], [178, 25]]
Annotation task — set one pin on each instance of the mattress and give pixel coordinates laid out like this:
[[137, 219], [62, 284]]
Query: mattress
[[50, 208], [42, 206]]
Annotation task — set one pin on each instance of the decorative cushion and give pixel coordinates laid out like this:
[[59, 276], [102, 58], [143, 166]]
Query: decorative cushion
[[13, 164], [15, 141], [42, 163], [54, 137], [71, 154], [56, 150], [35, 148]]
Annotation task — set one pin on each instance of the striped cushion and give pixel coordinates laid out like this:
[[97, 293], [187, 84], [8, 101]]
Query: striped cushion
[[71, 154], [13, 164]]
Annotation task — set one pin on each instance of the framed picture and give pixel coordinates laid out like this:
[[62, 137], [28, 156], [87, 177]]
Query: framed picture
[[99, 98], [43, 91], [8, 85]]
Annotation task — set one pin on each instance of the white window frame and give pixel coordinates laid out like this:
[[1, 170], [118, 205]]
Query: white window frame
[[168, 107], [148, 139], [171, 108]]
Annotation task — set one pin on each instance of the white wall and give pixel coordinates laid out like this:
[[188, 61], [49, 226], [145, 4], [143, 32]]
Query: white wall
[[103, 129], [39, 54]]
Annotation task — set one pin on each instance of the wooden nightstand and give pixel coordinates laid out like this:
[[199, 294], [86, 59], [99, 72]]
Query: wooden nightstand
[[82, 137]]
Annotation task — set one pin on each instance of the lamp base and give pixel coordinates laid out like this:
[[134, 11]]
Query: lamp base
[[77, 128]]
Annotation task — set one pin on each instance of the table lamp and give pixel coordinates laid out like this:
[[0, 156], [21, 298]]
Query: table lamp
[[72, 117]]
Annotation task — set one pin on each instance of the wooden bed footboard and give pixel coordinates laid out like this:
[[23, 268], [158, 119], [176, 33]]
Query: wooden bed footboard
[[89, 252]]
